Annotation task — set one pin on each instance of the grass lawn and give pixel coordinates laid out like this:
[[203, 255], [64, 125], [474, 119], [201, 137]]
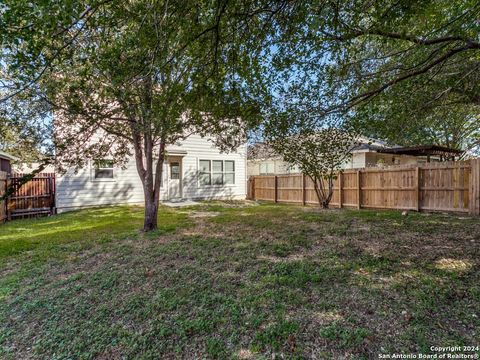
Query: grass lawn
[[229, 280]]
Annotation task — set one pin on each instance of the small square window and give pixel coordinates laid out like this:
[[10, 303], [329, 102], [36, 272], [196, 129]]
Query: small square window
[[229, 166], [217, 165], [266, 168], [103, 169], [204, 165], [205, 179], [230, 178], [217, 178]]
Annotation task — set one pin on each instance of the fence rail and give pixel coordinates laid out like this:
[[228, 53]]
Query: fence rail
[[34, 198], [449, 186]]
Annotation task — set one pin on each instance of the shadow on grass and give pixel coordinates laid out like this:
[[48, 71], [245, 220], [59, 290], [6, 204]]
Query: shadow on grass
[[87, 227]]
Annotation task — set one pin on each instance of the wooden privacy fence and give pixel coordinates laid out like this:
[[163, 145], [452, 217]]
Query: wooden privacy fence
[[3, 187], [449, 186], [34, 198]]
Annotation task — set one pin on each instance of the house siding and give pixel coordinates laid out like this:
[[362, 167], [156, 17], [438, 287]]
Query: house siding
[[358, 161], [199, 148], [5, 165], [374, 159], [80, 189], [279, 167]]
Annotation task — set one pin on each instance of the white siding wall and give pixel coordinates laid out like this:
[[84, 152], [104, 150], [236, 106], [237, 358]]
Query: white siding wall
[[376, 159], [256, 167], [80, 189], [253, 168], [358, 160], [201, 149]]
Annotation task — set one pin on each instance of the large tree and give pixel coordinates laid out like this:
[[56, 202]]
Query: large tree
[[385, 65], [132, 77]]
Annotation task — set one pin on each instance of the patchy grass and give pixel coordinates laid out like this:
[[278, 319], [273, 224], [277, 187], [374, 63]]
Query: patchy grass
[[235, 280]]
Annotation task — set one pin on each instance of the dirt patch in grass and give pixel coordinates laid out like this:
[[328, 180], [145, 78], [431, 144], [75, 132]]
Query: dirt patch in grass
[[203, 214]]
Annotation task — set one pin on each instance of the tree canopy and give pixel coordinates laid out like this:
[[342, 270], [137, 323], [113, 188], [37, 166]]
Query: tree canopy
[[132, 77], [385, 66]]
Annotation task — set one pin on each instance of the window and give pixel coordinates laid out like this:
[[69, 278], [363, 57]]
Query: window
[[175, 171], [103, 169], [217, 178], [229, 177], [266, 168], [205, 177], [216, 172]]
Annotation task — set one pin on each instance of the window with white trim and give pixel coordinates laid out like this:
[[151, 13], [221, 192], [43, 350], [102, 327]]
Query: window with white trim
[[216, 172], [103, 169], [267, 168], [175, 170]]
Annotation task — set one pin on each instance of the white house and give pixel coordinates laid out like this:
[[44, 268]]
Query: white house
[[195, 169]]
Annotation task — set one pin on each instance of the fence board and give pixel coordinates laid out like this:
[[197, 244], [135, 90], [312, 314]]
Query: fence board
[[448, 186], [3, 188], [34, 198], [474, 188]]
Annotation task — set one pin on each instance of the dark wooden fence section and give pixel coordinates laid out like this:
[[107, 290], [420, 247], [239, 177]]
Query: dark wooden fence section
[[449, 186], [3, 187], [32, 199]]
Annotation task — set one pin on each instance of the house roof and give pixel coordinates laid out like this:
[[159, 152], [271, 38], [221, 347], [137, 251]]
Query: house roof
[[4, 155], [261, 151], [422, 150]]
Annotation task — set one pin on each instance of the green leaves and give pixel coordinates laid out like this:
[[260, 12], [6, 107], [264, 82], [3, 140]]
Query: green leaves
[[156, 70], [404, 65]]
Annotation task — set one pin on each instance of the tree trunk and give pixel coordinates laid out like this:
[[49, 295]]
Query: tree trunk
[[152, 192], [323, 198], [151, 211], [145, 172], [318, 186]]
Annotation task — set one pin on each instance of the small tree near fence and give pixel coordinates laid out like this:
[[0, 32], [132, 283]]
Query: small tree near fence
[[319, 154]]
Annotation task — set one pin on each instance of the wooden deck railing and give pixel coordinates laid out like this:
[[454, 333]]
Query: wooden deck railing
[[449, 186]]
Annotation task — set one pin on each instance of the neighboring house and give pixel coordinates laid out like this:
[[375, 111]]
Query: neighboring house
[[369, 153], [269, 166], [262, 160], [27, 168], [5, 162], [194, 169]]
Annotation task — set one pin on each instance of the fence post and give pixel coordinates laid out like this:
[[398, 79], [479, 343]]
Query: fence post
[[474, 191], [340, 195], [6, 200], [7, 206], [276, 188], [303, 189], [253, 188], [359, 191], [417, 188], [52, 197]]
